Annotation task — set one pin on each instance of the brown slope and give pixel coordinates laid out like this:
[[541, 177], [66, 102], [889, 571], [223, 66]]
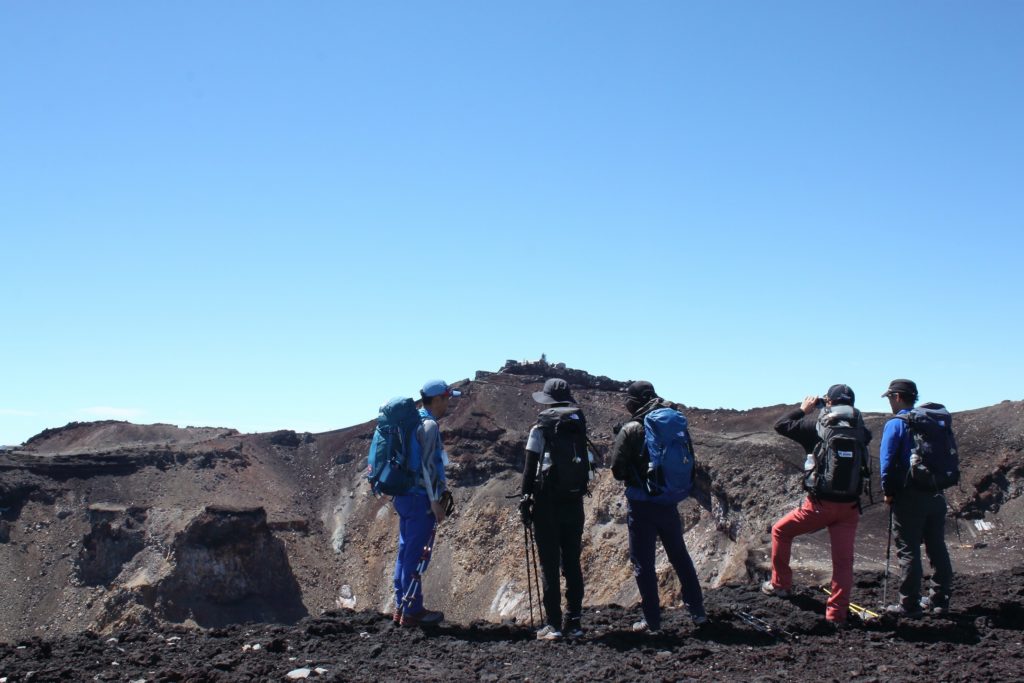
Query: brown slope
[[340, 540]]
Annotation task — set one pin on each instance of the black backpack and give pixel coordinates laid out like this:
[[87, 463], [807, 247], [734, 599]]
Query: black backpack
[[934, 461], [841, 464], [565, 464]]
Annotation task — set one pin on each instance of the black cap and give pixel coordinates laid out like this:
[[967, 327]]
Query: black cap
[[840, 394], [555, 391], [641, 390], [638, 394], [903, 387]]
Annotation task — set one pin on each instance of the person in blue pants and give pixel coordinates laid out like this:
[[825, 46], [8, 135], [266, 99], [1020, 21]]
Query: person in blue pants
[[649, 520], [421, 508]]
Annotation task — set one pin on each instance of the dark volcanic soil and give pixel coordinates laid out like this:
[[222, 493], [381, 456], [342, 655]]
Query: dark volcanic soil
[[981, 640]]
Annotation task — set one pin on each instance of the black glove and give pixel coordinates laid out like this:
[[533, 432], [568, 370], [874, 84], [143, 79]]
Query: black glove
[[448, 501], [526, 509]]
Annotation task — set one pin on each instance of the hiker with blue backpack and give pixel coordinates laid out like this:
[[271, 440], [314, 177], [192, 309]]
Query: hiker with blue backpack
[[918, 460], [836, 472], [556, 477], [653, 454], [407, 461]]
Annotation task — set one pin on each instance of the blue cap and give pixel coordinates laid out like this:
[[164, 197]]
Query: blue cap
[[437, 387]]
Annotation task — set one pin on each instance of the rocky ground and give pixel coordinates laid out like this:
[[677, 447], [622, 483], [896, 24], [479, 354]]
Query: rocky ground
[[751, 637]]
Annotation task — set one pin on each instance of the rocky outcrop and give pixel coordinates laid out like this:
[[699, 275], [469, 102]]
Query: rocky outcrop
[[228, 567], [543, 369], [117, 536]]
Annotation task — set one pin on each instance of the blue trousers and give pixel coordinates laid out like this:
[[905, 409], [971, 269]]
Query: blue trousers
[[415, 524], [647, 522]]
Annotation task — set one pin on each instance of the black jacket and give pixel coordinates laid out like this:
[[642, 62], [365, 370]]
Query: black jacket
[[628, 457], [804, 430]]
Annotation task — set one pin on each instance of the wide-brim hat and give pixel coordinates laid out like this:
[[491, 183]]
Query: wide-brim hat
[[555, 391]]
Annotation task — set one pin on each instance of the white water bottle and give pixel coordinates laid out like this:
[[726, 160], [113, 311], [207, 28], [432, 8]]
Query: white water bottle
[[809, 462]]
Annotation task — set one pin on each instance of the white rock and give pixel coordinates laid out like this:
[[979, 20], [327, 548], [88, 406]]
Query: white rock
[[320, 671], [297, 674]]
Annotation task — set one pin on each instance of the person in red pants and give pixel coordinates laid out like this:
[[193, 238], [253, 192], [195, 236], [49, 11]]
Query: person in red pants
[[834, 485]]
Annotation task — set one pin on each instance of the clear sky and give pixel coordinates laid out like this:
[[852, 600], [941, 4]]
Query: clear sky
[[269, 215]]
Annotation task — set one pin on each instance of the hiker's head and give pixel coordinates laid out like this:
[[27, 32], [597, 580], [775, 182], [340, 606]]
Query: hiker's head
[[436, 393], [639, 394], [555, 391], [902, 394], [839, 395]]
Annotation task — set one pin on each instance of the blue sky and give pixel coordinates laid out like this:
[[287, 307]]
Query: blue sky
[[269, 215]]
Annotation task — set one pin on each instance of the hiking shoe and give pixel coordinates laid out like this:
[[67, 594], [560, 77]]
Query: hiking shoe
[[839, 625], [768, 589], [573, 628], [425, 618], [643, 627], [699, 620], [549, 632], [934, 605], [898, 610], [397, 616]]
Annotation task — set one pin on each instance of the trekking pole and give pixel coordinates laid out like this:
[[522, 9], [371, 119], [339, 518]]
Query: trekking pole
[[529, 582], [536, 577], [417, 575], [888, 551]]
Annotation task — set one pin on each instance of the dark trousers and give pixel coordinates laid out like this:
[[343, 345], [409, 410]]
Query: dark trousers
[[558, 529], [920, 517], [647, 522]]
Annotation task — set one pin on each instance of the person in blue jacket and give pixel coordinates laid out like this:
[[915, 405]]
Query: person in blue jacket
[[918, 513], [423, 506]]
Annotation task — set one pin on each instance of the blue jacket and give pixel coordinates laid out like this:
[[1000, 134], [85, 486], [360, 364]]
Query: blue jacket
[[894, 455]]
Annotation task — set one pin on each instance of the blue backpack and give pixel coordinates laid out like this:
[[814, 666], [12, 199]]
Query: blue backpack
[[392, 470], [670, 456], [934, 460]]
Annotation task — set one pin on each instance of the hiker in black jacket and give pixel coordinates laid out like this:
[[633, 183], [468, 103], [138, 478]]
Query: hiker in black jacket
[[652, 516], [839, 513]]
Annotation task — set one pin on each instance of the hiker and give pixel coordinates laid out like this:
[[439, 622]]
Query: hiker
[[555, 479], [653, 492], [422, 507], [917, 506], [834, 480]]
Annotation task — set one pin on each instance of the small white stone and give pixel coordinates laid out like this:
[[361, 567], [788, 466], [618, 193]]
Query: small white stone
[[320, 671], [297, 674]]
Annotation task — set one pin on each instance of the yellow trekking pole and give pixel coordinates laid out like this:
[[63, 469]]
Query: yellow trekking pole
[[862, 612]]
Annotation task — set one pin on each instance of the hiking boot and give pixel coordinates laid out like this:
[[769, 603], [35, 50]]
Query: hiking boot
[[643, 627], [425, 618], [699, 620], [768, 589], [899, 610], [549, 632], [839, 625], [397, 616], [573, 628], [935, 605]]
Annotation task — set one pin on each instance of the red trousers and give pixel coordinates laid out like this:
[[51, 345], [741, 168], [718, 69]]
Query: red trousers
[[841, 521]]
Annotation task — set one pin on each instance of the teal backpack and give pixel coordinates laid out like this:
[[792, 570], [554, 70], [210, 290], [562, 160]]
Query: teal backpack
[[390, 468]]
